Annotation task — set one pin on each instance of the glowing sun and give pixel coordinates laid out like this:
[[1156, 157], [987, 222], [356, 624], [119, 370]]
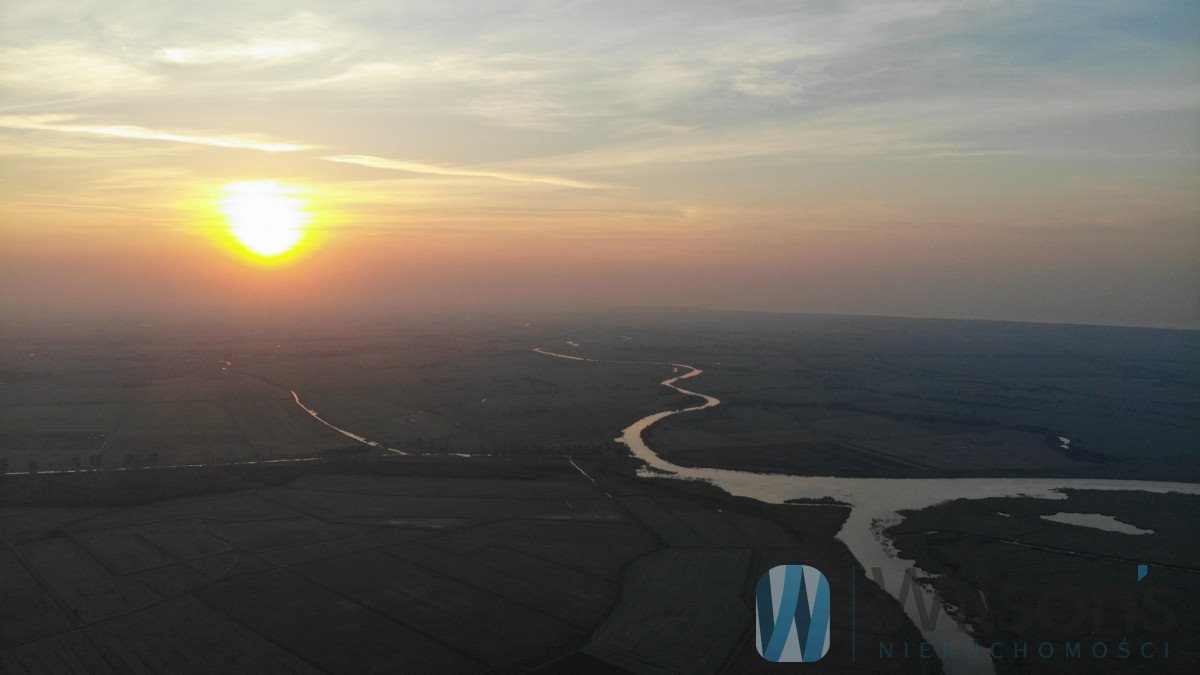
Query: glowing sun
[[265, 217]]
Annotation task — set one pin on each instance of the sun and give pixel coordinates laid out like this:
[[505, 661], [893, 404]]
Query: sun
[[265, 217]]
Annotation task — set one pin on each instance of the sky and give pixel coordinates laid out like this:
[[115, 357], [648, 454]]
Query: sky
[[1015, 160]]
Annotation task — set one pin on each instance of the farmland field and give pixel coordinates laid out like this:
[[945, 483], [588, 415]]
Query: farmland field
[[161, 479], [395, 563]]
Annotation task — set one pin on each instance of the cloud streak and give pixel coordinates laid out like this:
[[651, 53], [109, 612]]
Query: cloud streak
[[420, 167], [71, 66], [267, 51], [63, 124]]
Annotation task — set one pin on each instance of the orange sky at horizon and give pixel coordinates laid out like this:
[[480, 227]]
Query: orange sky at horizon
[[739, 158]]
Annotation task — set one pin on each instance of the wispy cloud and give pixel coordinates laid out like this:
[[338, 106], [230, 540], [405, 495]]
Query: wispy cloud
[[279, 40], [69, 66], [65, 124], [266, 50], [420, 167], [830, 138]]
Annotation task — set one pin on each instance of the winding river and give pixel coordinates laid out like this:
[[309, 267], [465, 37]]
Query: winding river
[[875, 504]]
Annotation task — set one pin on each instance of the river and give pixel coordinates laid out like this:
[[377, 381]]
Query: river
[[874, 503]]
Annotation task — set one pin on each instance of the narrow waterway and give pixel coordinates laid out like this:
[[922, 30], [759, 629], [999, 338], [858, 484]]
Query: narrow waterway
[[226, 367], [347, 434], [875, 504]]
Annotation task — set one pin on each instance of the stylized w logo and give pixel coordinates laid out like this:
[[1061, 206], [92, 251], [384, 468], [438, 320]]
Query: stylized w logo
[[792, 603]]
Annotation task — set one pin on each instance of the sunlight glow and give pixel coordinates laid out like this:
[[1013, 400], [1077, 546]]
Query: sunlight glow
[[265, 217]]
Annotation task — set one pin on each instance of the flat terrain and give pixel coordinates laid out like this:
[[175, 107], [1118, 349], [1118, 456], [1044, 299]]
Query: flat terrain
[[864, 396], [405, 563], [815, 395], [151, 516], [145, 396]]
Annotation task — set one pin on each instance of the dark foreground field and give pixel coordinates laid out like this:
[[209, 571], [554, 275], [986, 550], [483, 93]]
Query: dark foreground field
[[410, 563]]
